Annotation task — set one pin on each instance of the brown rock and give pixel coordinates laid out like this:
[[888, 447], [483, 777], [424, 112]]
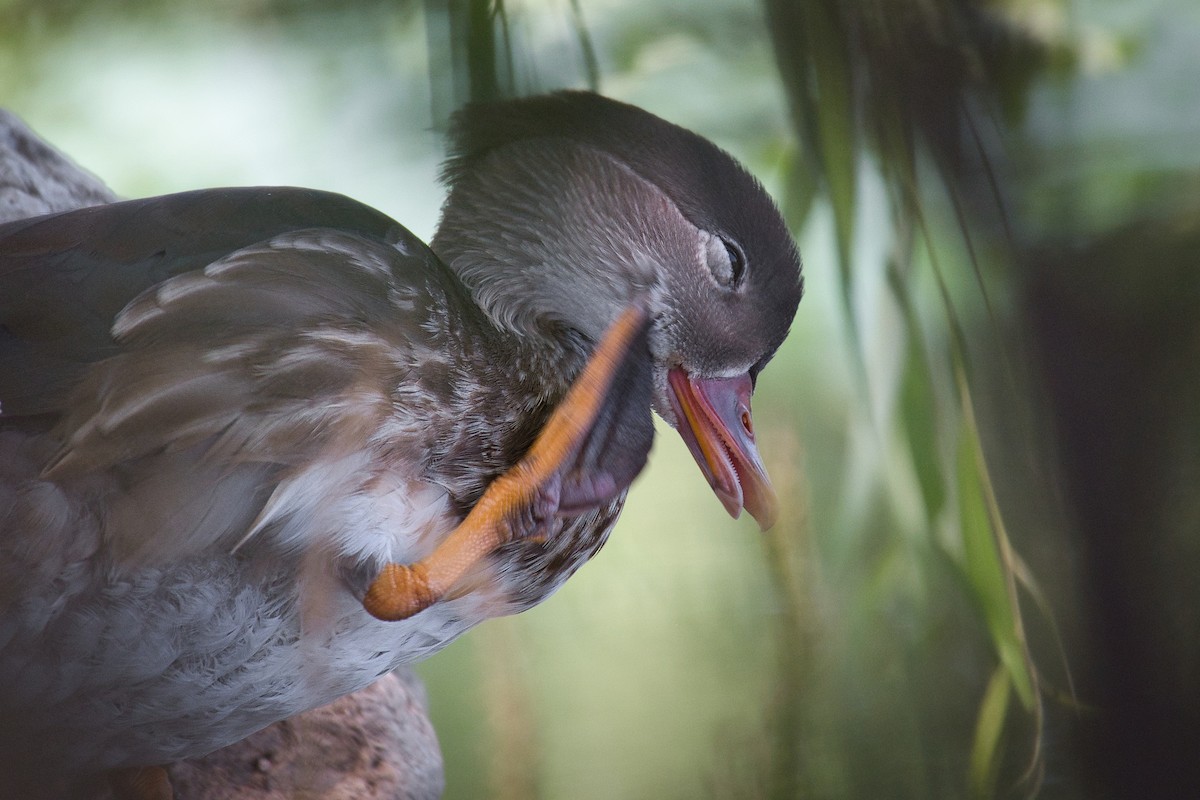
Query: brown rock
[[375, 744]]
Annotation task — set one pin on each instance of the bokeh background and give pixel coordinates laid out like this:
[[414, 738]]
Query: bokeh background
[[983, 426]]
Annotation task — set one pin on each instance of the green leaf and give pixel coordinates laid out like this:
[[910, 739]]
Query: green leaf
[[801, 183], [985, 549], [918, 414], [989, 725], [918, 405], [832, 100], [591, 64]]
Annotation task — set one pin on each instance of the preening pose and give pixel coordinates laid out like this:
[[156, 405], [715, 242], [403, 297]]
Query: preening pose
[[260, 446]]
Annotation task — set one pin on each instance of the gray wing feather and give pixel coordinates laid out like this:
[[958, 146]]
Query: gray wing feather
[[223, 384], [276, 350], [65, 277]]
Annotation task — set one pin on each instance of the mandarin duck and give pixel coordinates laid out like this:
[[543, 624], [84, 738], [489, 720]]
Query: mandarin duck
[[260, 446]]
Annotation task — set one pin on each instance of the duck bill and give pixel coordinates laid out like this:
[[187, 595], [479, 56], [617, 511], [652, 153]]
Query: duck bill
[[714, 420]]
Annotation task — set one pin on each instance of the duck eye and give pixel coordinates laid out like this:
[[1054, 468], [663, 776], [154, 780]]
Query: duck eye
[[737, 262], [726, 260]]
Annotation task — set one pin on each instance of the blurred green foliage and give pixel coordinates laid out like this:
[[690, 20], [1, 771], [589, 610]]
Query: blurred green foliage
[[983, 424]]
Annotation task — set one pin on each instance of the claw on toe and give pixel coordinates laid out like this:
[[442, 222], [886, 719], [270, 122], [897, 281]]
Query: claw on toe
[[399, 591], [402, 590]]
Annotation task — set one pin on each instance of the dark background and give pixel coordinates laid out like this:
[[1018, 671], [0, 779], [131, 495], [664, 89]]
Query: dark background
[[984, 423]]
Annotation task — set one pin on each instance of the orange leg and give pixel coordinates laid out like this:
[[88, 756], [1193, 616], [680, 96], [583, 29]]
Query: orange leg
[[401, 590]]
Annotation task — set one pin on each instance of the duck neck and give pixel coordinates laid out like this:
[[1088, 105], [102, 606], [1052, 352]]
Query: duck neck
[[544, 339], [552, 240]]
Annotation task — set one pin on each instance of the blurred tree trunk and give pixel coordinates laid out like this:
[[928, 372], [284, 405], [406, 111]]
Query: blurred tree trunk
[[1117, 327]]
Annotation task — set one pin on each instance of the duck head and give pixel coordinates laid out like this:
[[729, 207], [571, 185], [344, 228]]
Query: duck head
[[564, 209]]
